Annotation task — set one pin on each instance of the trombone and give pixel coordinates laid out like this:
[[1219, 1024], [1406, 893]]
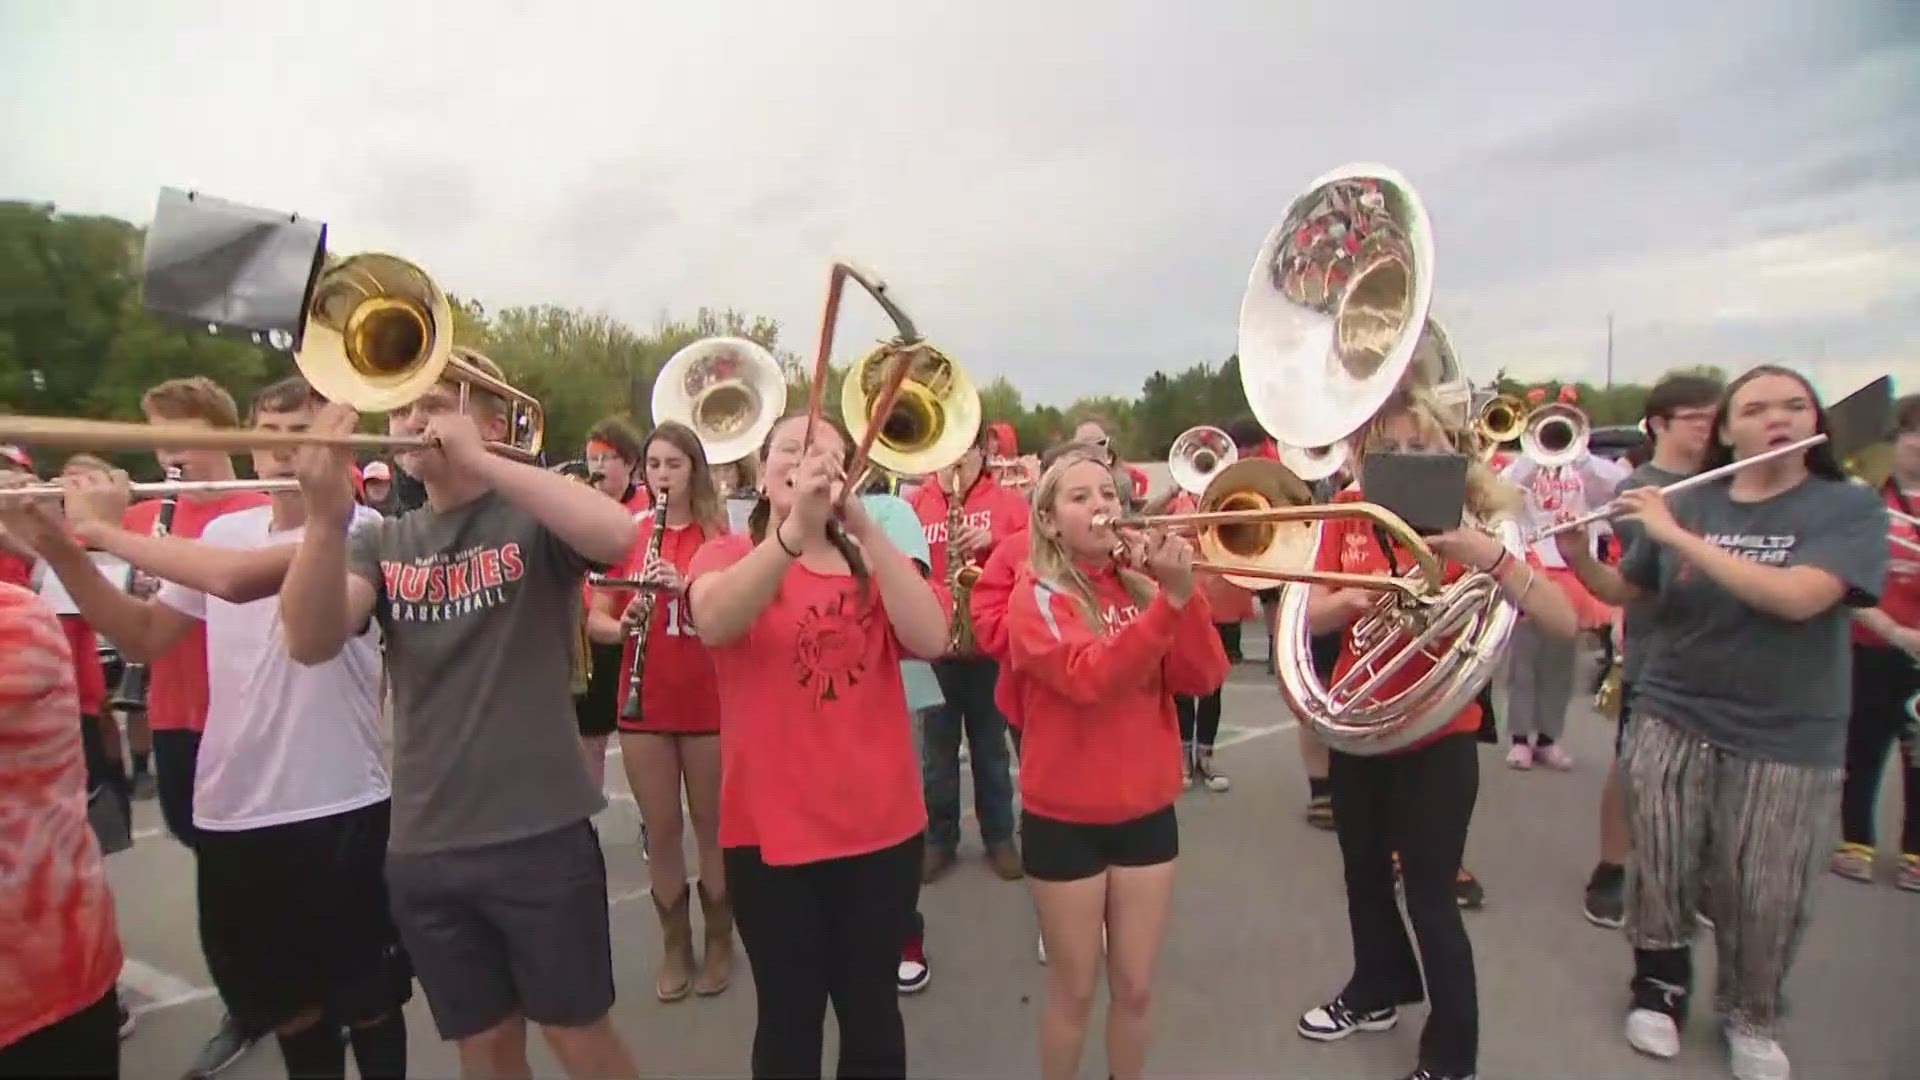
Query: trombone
[[162, 488], [377, 334], [1198, 455], [1551, 435]]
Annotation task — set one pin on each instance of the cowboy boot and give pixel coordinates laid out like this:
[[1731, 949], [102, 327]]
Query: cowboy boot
[[676, 947], [716, 961]]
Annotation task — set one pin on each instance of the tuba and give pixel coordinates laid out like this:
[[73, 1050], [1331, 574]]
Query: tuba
[[1335, 319], [729, 390], [1198, 455]]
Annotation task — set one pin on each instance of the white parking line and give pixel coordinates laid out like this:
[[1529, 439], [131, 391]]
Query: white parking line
[[161, 990]]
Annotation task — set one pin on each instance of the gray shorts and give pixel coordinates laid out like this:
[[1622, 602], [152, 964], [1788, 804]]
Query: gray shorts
[[506, 929]]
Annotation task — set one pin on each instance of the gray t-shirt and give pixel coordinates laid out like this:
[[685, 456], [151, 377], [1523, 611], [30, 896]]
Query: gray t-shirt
[[1636, 618], [1749, 682], [478, 605]]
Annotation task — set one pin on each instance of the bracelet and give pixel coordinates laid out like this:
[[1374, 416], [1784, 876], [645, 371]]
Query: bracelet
[[1494, 570], [780, 537]]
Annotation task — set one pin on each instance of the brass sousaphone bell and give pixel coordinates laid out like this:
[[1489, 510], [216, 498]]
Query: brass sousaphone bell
[[729, 390], [934, 419]]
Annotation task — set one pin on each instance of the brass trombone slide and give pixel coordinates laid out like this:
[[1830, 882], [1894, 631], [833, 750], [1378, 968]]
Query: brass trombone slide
[[123, 435], [164, 487], [905, 345], [1428, 582]]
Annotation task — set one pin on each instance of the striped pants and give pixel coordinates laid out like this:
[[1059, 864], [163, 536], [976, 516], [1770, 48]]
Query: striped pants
[[1746, 837]]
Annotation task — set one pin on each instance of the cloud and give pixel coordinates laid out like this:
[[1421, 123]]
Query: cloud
[[1069, 201]]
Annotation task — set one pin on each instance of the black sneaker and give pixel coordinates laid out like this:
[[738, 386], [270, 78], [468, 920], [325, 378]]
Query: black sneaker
[[1468, 892], [126, 1019], [1429, 1074], [1335, 1021], [1606, 903], [226, 1047]]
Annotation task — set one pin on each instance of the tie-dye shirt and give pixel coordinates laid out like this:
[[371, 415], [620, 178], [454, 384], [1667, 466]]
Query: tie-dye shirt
[[60, 951]]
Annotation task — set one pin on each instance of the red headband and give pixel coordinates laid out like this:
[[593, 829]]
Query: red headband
[[1537, 395], [605, 447]]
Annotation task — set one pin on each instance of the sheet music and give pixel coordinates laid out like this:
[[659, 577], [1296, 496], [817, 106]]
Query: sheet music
[[48, 584]]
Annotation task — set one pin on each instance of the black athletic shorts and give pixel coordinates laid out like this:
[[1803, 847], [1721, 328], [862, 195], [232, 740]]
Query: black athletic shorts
[[294, 917], [1268, 596], [1055, 850], [593, 711], [517, 927]]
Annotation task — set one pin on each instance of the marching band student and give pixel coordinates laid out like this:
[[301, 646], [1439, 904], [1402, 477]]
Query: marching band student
[[1200, 714], [1098, 652], [614, 457], [1733, 761], [59, 1012], [673, 740], [1540, 666], [1886, 676], [291, 799], [1416, 802], [1678, 415], [988, 514], [821, 816], [495, 872]]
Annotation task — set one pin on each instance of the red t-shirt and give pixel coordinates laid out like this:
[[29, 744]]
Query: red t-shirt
[[817, 759], [988, 605], [677, 691], [177, 678], [1900, 599], [16, 570], [62, 946], [1100, 743], [1350, 545], [90, 677]]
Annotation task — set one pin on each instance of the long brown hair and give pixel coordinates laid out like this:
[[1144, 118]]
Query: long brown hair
[[1821, 460], [703, 497], [1049, 558], [763, 507]]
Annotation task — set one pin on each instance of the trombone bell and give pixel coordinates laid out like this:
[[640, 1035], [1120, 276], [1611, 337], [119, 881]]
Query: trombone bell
[[1555, 435], [1501, 420], [1257, 484], [378, 333], [934, 420]]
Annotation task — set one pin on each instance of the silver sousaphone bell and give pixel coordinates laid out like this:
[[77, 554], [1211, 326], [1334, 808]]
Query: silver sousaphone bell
[[729, 390]]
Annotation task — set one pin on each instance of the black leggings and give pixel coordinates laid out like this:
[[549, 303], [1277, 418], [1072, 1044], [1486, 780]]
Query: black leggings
[[1419, 804], [1200, 716], [829, 930], [86, 1044], [1883, 679]]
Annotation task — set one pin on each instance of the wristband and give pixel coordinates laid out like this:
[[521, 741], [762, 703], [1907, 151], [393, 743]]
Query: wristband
[[780, 537]]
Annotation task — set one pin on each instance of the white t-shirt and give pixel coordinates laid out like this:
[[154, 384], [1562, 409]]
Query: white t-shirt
[[284, 742], [1561, 492]]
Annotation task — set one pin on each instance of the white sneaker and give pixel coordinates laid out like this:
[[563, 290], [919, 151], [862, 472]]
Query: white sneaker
[[1043, 948], [1653, 1033], [1755, 1057]]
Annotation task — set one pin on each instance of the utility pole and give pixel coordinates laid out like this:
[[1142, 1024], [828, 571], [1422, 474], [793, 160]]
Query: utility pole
[[1609, 350]]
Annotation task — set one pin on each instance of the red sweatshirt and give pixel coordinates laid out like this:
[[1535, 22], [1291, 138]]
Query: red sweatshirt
[[988, 603], [1101, 741]]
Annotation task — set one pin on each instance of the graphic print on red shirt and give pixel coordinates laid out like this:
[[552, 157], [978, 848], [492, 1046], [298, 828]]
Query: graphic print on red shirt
[[177, 678], [62, 945], [1351, 545], [817, 758], [986, 505], [677, 690]]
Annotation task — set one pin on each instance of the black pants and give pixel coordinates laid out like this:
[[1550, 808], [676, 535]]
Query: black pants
[[1417, 803], [826, 931], [176, 755], [86, 1044], [1230, 637], [1883, 679], [1200, 716]]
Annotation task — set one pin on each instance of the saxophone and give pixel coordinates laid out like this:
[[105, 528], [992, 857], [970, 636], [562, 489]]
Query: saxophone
[[130, 695], [644, 622], [960, 578]]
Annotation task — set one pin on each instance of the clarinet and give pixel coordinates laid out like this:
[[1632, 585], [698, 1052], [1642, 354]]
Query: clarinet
[[647, 599], [131, 693]]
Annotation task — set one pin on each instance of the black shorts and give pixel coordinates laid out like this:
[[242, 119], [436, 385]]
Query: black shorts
[[1268, 596], [517, 927], [1055, 850], [1325, 649], [294, 917], [593, 711], [86, 1044]]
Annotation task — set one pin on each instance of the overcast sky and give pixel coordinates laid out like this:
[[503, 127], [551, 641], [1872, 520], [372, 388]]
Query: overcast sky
[[1067, 194]]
